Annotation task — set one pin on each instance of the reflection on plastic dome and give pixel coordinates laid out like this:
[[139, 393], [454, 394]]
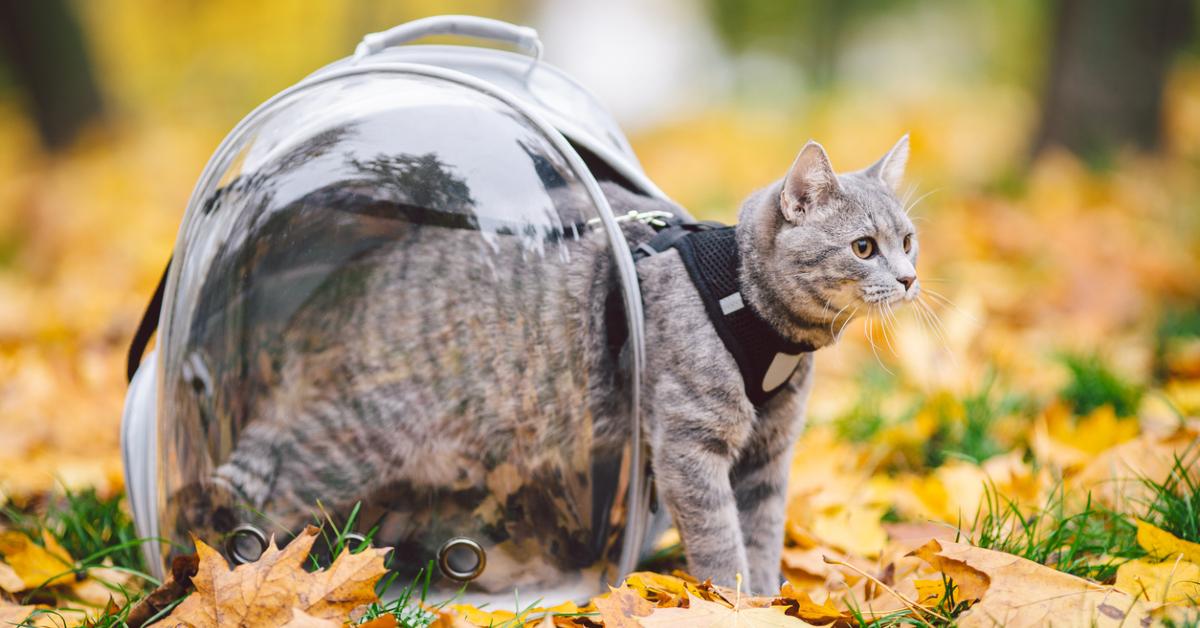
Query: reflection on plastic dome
[[388, 311]]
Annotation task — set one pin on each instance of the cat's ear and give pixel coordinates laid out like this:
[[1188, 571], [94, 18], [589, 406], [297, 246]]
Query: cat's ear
[[890, 168], [810, 181]]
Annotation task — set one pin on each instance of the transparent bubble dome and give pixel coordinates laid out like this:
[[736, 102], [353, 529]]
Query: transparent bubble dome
[[397, 296]]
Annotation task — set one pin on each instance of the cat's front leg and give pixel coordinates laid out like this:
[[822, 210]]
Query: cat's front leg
[[760, 478], [760, 485], [692, 476]]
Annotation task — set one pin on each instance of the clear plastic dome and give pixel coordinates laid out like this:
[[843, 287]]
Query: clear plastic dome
[[398, 295]]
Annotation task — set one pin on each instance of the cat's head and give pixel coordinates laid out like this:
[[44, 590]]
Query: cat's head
[[824, 247]]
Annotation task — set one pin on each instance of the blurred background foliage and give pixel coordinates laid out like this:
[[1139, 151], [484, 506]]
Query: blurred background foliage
[[1056, 154]]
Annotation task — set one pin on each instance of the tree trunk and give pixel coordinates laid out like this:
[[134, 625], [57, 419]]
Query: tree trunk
[[1108, 67], [44, 48]]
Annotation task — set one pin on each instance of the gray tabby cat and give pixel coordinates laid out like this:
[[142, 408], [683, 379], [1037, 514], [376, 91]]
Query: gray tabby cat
[[816, 249], [439, 394]]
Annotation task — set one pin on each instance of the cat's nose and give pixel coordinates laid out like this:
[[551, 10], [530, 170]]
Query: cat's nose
[[907, 281]]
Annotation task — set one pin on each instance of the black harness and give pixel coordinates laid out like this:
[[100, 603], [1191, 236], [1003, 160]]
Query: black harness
[[710, 253]]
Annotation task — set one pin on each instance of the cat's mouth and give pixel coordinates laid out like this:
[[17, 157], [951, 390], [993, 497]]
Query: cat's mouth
[[888, 296]]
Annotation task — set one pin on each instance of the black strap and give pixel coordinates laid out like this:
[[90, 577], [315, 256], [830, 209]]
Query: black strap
[[710, 253], [146, 328]]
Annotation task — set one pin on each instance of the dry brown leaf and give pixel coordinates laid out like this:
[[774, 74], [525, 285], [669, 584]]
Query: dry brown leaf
[[1024, 593], [620, 608], [37, 565], [301, 619], [13, 614], [970, 582], [178, 583], [102, 585], [701, 613], [263, 593], [801, 605], [9, 579], [383, 621]]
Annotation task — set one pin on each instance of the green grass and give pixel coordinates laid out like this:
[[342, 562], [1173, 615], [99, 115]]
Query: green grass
[[1093, 385], [973, 438], [1177, 326], [1175, 502], [943, 615], [865, 419], [1091, 542], [97, 532], [91, 528]]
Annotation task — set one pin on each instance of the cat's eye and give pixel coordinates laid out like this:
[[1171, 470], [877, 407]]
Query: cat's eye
[[863, 247], [908, 243]]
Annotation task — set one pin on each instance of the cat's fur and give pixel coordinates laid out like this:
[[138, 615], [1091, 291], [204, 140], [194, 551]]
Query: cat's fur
[[434, 392]]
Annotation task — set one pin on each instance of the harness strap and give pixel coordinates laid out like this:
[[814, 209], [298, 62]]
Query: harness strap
[[147, 327], [710, 253]]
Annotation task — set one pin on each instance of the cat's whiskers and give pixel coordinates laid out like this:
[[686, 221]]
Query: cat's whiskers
[[945, 301], [936, 325], [891, 327], [847, 322], [923, 317], [869, 328], [908, 207], [833, 321]]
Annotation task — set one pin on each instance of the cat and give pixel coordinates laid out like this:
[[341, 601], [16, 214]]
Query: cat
[[425, 385]]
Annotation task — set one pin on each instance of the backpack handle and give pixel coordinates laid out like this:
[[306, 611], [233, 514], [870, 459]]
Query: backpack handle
[[522, 37]]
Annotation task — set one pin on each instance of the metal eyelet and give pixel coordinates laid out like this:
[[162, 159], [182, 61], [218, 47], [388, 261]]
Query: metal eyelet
[[461, 559], [242, 532]]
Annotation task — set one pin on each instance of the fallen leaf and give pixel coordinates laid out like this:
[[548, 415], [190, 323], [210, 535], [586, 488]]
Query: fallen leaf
[[178, 583], [620, 608], [265, 592], [1158, 583], [1024, 593], [9, 580], [383, 621], [660, 589], [930, 593], [854, 530], [970, 583], [13, 614], [1163, 545], [478, 617], [801, 605], [301, 619], [37, 565], [101, 586], [701, 613]]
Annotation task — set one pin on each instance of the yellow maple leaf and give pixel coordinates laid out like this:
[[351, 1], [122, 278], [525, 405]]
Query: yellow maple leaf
[[37, 565], [661, 589], [265, 592], [930, 592], [970, 583], [1021, 592], [1158, 583], [856, 530], [1070, 442], [1163, 545], [803, 606], [701, 613], [621, 608]]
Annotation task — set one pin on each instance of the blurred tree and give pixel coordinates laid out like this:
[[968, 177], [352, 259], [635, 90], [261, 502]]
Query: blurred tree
[[810, 32], [1108, 67], [44, 48]]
